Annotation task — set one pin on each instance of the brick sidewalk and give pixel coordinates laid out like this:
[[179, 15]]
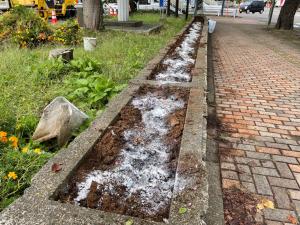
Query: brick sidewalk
[[258, 111]]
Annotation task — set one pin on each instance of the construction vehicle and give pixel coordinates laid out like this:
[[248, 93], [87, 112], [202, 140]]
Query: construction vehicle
[[64, 8]]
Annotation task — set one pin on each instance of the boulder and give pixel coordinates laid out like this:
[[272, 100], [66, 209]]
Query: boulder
[[65, 53]]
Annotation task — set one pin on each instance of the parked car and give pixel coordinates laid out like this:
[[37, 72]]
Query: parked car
[[252, 6]]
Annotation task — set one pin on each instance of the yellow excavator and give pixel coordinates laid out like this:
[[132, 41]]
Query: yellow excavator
[[65, 8]]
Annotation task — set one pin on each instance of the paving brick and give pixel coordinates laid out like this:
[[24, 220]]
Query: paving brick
[[268, 150], [281, 198], [269, 134], [262, 124], [262, 185], [296, 133], [248, 161], [278, 214], [228, 166], [295, 147], [243, 168], [280, 118], [246, 177], [282, 127], [277, 122], [267, 163], [278, 131], [291, 153], [229, 174], [297, 176], [282, 182], [285, 141], [249, 186], [296, 204], [294, 194], [286, 159], [295, 168], [243, 147], [248, 131], [227, 183], [277, 145], [264, 139], [284, 170], [258, 155], [265, 171]]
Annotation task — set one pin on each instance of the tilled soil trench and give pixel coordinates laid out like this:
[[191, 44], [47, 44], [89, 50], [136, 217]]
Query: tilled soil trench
[[180, 60], [131, 169]]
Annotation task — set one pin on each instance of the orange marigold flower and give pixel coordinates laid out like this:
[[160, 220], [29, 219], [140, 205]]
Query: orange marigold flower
[[3, 134], [14, 141], [3, 137]]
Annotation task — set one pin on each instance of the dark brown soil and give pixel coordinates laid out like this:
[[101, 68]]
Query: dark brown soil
[[173, 55], [105, 156], [239, 207]]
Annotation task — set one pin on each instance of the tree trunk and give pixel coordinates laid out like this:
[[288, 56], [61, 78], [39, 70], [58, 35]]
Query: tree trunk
[[91, 14], [101, 25], [287, 13]]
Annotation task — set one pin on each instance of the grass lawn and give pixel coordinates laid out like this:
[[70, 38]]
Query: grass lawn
[[29, 81]]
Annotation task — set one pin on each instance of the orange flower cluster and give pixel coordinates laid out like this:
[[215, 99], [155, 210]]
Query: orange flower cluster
[[13, 140]]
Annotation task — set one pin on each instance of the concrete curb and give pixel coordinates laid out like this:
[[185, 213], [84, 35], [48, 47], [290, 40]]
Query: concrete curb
[[37, 205]]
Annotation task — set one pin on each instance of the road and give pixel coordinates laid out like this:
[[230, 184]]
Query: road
[[263, 18]]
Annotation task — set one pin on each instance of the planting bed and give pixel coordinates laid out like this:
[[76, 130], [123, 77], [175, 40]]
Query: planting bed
[[179, 62], [143, 160], [131, 169]]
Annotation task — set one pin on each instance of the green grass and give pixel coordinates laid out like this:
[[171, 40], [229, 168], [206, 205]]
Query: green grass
[[26, 89], [23, 96]]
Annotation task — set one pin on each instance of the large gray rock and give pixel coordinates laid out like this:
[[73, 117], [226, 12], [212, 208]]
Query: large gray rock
[[58, 121], [65, 53]]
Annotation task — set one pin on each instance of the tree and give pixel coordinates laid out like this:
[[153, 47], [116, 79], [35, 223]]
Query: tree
[[287, 13], [93, 14]]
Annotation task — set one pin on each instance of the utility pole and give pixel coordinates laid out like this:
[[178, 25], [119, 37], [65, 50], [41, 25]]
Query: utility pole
[[176, 8], [271, 13], [223, 6], [187, 9], [168, 7]]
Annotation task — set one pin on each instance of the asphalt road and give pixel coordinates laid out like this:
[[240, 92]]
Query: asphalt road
[[263, 18]]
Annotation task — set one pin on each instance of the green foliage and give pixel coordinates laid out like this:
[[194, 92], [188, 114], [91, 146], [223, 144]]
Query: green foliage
[[182, 210], [26, 27], [92, 89], [87, 86], [17, 169], [68, 33]]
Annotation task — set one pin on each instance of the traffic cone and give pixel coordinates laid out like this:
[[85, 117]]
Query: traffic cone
[[53, 18], [115, 12], [111, 11]]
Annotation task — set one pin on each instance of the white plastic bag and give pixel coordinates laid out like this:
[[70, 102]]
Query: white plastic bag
[[211, 26], [58, 121]]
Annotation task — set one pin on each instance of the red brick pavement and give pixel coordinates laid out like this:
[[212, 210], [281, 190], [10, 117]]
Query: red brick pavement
[[258, 109]]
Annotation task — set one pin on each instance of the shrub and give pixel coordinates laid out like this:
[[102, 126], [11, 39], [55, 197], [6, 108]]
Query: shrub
[[68, 33], [26, 27]]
